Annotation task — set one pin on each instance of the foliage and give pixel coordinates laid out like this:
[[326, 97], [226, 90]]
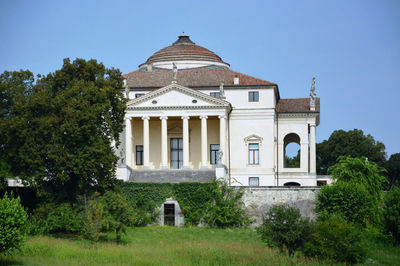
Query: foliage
[[226, 209], [117, 213], [393, 167], [349, 200], [63, 218], [391, 213], [57, 133], [13, 219], [292, 162], [337, 240], [348, 143], [283, 227], [361, 171]]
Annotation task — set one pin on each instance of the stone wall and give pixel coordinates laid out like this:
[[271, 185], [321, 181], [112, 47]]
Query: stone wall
[[258, 200], [173, 175]]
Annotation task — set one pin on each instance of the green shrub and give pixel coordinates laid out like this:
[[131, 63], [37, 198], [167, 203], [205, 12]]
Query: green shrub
[[13, 219], [391, 213], [226, 209], [64, 218], [348, 200], [337, 240], [283, 227]]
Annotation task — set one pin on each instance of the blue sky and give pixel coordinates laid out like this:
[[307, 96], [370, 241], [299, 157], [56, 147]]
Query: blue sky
[[351, 47]]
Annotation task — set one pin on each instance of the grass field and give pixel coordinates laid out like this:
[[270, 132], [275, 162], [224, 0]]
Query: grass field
[[171, 246]]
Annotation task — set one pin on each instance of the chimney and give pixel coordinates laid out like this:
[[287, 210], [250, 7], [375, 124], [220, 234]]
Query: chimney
[[149, 67], [236, 80]]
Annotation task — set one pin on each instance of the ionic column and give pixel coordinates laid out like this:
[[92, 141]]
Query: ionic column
[[204, 163], [146, 141], [128, 141], [222, 136], [164, 139], [185, 141], [313, 166]]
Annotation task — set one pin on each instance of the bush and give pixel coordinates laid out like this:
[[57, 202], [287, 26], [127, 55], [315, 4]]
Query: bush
[[283, 227], [13, 219], [64, 218], [226, 209], [337, 240], [348, 200], [391, 213]]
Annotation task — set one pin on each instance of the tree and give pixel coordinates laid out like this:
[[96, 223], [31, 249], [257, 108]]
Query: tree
[[349, 143], [13, 219], [391, 213], [283, 227], [59, 130], [393, 167]]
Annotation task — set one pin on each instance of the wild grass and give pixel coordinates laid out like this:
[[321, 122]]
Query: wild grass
[[169, 246]]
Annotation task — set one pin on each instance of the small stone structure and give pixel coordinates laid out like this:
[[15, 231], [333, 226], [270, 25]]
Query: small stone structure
[[258, 200], [177, 215]]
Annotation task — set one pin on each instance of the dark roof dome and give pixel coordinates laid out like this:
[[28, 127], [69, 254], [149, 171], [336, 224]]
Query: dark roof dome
[[186, 54]]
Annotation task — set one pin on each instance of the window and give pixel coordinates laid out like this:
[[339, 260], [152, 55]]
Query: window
[[213, 153], [321, 183], [139, 154], [215, 94], [253, 182], [138, 95], [253, 96], [176, 153], [253, 153]]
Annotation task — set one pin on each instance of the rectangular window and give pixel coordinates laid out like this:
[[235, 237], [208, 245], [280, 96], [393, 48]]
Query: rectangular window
[[253, 153], [253, 182], [213, 153], [138, 95], [215, 94], [139, 154], [176, 153], [253, 96]]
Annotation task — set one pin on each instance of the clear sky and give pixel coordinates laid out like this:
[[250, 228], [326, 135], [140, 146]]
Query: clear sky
[[351, 47]]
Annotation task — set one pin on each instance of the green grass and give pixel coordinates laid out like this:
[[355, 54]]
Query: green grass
[[169, 246]]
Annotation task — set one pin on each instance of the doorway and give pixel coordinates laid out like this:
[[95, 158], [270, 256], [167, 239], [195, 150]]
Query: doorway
[[176, 153], [169, 214]]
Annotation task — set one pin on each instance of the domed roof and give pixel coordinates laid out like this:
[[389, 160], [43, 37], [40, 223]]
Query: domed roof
[[186, 54]]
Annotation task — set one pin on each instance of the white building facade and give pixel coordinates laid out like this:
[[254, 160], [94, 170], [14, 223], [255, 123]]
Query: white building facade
[[187, 108]]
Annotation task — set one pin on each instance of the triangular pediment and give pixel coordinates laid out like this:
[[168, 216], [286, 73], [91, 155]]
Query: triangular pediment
[[175, 95]]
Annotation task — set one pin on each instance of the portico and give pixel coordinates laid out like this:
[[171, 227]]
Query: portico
[[175, 128]]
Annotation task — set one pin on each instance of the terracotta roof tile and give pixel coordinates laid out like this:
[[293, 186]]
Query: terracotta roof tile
[[192, 77], [297, 105]]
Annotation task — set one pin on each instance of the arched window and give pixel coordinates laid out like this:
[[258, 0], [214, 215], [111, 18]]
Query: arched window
[[291, 184], [291, 144]]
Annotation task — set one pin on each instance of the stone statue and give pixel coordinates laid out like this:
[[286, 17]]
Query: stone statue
[[122, 157], [220, 153], [312, 93], [175, 71], [221, 90]]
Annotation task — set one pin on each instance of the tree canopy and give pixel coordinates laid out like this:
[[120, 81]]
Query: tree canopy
[[56, 133], [393, 167], [349, 143]]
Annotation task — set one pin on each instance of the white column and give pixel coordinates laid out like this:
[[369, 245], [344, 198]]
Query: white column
[[146, 141], [204, 163], [164, 139], [313, 166], [222, 137], [128, 141], [185, 141]]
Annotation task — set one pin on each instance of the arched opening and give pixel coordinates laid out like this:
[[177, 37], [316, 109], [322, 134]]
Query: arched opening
[[291, 184], [291, 151]]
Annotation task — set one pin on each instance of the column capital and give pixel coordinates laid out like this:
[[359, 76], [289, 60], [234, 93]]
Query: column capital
[[128, 118], [145, 118], [203, 117], [163, 117], [312, 125], [185, 117], [222, 117]]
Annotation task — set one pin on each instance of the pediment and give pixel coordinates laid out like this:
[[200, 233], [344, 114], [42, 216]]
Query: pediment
[[253, 138], [175, 95]]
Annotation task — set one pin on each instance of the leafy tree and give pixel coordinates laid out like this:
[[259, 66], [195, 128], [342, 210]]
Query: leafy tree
[[349, 143], [13, 220], [283, 227], [58, 132], [391, 213], [393, 167], [361, 171]]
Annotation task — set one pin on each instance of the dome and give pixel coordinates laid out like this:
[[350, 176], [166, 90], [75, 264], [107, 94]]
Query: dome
[[185, 54]]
